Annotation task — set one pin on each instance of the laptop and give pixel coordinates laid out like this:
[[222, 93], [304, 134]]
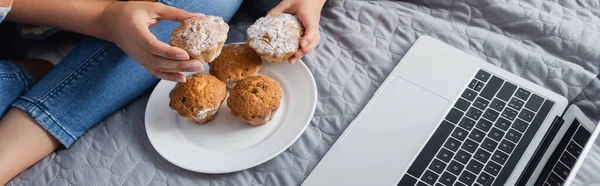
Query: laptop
[[444, 117]]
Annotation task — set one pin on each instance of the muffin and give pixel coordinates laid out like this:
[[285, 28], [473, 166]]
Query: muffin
[[275, 37], [201, 37], [236, 62], [199, 98], [255, 99]]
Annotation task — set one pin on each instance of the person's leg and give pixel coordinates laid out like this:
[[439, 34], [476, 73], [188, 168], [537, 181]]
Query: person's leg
[[14, 81], [93, 81]]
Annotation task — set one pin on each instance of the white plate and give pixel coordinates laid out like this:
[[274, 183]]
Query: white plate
[[226, 144]]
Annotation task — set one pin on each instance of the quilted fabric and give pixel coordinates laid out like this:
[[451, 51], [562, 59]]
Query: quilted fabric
[[551, 43]]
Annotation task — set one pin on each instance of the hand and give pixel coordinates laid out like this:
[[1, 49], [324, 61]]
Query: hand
[[127, 25], [309, 13]]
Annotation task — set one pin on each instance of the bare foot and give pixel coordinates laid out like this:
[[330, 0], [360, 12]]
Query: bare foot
[[36, 67]]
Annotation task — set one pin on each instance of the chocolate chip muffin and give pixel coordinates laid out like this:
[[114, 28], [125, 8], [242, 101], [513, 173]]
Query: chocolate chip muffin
[[199, 98], [236, 62], [255, 99]]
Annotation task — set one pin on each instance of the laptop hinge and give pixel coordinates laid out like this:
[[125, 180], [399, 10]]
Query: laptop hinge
[[540, 151]]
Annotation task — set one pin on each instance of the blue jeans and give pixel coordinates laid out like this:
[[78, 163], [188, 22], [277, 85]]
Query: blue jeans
[[93, 81]]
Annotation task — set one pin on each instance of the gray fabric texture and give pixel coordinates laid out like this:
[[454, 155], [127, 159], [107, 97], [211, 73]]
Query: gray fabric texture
[[551, 43]]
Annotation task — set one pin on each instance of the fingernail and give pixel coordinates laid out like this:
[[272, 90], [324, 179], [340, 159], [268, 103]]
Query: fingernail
[[299, 54], [194, 65], [198, 14], [181, 79], [304, 43], [182, 56]]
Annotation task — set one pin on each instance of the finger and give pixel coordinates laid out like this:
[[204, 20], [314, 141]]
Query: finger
[[166, 65], [309, 44], [311, 31], [177, 77], [174, 14], [280, 8], [296, 57], [152, 45]]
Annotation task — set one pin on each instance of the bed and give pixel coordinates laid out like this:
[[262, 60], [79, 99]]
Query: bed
[[552, 43]]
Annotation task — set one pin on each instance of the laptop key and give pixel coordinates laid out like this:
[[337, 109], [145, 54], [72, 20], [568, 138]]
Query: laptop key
[[474, 113], [502, 123], [497, 104], [489, 145], [491, 88], [534, 102], [467, 178], [476, 135], [506, 146], [492, 168], [474, 166], [484, 125], [510, 114], [490, 115], [554, 180], [447, 178], [467, 123], [513, 136], [462, 157], [526, 115], [455, 167], [496, 134], [473, 83], [462, 104], [470, 95], [500, 157], [460, 134], [516, 104], [422, 184], [445, 155], [581, 136], [482, 155], [432, 146], [574, 149], [429, 177], [485, 179], [452, 144], [454, 115], [479, 86], [469, 145], [568, 160], [482, 75], [522, 94], [437, 166], [480, 103], [520, 125], [407, 180], [562, 171], [506, 91]]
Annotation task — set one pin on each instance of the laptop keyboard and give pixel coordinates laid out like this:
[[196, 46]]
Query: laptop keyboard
[[564, 157], [482, 137]]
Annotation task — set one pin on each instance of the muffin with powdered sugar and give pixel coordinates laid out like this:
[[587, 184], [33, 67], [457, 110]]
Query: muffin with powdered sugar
[[275, 37], [201, 37], [199, 98]]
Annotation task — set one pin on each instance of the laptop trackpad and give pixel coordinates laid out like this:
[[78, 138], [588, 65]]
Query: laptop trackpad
[[389, 134]]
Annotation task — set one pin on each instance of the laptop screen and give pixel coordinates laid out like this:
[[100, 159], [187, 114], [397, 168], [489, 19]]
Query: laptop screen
[[565, 155]]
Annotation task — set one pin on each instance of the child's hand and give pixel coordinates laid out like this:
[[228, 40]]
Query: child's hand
[[309, 13], [127, 25]]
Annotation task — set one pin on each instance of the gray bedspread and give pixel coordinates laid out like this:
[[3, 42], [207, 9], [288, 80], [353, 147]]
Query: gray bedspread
[[551, 43]]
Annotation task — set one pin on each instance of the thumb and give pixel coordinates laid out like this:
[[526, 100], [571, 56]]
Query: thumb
[[175, 14], [280, 8]]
